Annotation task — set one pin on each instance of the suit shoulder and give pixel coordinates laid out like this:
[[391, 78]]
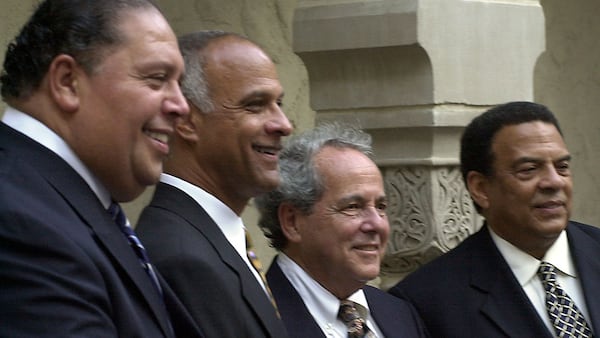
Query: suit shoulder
[[376, 295], [589, 229], [451, 267]]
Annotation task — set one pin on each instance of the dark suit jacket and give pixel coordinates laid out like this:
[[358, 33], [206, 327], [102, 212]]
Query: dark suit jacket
[[395, 317], [471, 291], [66, 270], [202, 267]]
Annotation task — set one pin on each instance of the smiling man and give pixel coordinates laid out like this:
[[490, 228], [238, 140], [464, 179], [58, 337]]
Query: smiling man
[[328, 220], [503, 281], [92, 89], [223, 154]]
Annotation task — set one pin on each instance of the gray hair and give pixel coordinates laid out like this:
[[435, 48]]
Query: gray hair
[[301, 184]]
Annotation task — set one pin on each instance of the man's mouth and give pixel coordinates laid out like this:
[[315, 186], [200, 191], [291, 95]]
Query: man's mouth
[[158, 136], [550, 204], [367, 247], [273, 151]]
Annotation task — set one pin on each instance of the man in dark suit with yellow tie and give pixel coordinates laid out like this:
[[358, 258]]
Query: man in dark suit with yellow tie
[[224, 153]]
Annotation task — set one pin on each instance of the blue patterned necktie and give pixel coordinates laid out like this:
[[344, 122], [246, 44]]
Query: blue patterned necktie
[[349, 315], [118, 216], [566, 318]]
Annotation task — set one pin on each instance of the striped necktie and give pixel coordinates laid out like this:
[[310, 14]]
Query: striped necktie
[[566, 318], [118, 216]]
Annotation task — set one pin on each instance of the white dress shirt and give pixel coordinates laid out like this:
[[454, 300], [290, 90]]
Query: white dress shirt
[[322, 304], [40, 133], [525, 266], [230, 224]]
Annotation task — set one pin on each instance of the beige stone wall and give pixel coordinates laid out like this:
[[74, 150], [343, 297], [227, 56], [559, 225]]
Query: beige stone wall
[[13, 14], [567, 80]]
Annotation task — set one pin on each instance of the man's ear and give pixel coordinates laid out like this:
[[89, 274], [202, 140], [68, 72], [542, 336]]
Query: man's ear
[[63, 76], [288, 219], [477, 183], [185, 126]]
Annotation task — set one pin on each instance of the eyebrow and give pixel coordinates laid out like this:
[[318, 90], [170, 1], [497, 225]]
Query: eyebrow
[[526, 159], [360, 198], [260, 93]]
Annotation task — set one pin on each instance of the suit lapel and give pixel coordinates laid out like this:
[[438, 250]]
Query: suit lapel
[[298, 320], [503, 300], [86, 205], [582, 244], [384, 316], [171, 198]]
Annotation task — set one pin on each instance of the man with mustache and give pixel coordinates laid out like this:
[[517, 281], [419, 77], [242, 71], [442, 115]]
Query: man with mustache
[[328, 221], [504, 280], [223, 154]]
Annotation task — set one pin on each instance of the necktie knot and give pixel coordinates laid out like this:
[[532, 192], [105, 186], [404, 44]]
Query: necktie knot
[[547, 273], [349, 315], [117, 214]]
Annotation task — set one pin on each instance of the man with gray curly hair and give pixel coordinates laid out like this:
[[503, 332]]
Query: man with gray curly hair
[[328, 221]]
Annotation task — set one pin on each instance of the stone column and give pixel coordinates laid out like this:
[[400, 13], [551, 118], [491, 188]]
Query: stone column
[[413, 73]]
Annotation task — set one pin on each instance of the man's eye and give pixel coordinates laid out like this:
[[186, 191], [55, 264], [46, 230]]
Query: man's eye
[[254, 106], [156, 80], [563, 168], [526, 170], [350, 209]]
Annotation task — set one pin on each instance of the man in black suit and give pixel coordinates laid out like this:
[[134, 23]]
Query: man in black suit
[[224, 153], [328, 220], [92, 89], [516, 167]]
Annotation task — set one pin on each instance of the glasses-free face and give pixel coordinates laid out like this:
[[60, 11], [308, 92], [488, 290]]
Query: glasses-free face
[[343, 240], [239, 142], [527, 199], [128, 105]]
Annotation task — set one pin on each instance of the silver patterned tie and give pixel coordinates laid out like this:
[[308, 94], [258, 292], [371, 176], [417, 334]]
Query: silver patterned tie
[[566, 318], [357, 327]]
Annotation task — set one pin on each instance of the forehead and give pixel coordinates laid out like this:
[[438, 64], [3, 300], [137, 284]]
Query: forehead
[[233, 63], [147, 40], [535, 138], [144, 26], [345, 169]]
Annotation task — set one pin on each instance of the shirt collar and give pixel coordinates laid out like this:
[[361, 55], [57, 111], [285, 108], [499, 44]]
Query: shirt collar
[[46, 137], [230, 224], [321, 303], [525, 266]]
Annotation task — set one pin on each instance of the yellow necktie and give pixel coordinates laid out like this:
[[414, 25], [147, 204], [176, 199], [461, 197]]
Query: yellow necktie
[[258, 267]]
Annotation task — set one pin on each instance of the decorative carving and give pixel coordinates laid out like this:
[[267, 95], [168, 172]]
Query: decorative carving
[[430, 212], [453, 208], [409, 209]]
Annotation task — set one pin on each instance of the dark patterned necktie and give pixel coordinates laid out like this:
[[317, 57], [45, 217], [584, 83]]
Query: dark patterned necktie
[[566, 318], [119, 217], [357, 327], [258, 267]]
